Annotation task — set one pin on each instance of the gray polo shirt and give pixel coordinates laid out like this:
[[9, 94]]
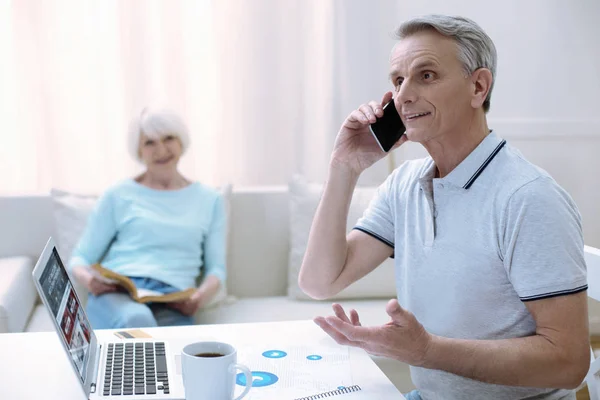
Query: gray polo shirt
[[471, 248]]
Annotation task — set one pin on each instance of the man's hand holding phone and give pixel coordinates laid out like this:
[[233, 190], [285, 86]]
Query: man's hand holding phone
[[357, 146]]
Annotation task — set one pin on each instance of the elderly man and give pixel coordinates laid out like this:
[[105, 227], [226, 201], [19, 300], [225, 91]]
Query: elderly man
[[488, 248]]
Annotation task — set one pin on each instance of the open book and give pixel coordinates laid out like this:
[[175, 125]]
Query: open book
[[138, 294]]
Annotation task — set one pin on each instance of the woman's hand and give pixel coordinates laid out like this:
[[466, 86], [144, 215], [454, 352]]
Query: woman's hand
[[190, 305], [93, 282], [207, 290]]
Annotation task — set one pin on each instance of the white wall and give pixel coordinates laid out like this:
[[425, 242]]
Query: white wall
[[296, 69], [546, 99]]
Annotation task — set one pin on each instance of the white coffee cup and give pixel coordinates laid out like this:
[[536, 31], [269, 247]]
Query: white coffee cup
[[211, 378]]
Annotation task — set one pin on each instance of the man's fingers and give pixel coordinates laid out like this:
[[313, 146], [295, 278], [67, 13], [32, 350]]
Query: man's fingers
[[387, 97], [399, 315], [377, 108], [354, 320], [339, 312], [357, 117], [353, 333], [331, 331], [368, 112]]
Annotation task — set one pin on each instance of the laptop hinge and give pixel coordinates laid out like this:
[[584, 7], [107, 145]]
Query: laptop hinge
[[95, 370]]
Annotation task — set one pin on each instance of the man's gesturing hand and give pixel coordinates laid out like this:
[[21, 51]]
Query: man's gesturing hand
[[403, 338]]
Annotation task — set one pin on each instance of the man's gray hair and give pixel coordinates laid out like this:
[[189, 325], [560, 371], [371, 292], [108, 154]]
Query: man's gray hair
[[475, 48], [156, 124]]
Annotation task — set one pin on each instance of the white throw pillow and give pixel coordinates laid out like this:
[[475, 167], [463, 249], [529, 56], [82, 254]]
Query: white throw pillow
[[71, 212], [304, 199]]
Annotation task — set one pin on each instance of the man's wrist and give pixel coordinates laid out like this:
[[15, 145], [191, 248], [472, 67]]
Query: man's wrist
[[430, 354], [342, 171]]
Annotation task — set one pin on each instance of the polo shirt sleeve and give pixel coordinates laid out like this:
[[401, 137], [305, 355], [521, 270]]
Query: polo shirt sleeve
[[377, 220], [543, 242]]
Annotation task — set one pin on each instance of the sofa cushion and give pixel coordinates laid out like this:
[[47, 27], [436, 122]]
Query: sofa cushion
[[282, 308], [40, 320], [304, 199], [17, 293], [71, 211]]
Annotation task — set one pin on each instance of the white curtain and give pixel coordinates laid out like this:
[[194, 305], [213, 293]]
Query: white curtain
[[262, 84]]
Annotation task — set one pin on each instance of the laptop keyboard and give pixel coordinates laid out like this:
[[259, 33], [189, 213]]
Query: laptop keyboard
[[135, 369]]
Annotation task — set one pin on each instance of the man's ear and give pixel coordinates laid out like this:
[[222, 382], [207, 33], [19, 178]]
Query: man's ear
[[482, 83]]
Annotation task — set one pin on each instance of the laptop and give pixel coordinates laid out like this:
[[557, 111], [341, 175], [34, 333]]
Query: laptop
[[124, 369]]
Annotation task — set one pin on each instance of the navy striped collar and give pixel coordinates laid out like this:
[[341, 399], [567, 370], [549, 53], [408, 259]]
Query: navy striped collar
[[483, 166], [471, 168]]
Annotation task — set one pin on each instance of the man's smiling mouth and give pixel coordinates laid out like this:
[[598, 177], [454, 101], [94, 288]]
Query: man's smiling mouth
[[412, 117]]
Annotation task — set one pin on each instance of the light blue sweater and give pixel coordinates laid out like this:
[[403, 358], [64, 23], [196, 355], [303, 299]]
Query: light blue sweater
[[167, 235]]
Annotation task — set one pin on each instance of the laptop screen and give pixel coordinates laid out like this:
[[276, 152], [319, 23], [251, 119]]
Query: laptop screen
[[75, 330]]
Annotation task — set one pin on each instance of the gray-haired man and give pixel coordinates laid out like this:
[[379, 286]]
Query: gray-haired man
[[488, 248]]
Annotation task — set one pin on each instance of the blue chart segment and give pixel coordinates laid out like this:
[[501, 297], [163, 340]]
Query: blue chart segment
[[259, 379], [314, 357], [274, 354]]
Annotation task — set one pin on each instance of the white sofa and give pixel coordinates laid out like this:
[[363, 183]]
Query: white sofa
[[259, 244]]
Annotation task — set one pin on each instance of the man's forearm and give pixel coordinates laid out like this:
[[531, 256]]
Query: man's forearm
[[532, 361], [327, 247]]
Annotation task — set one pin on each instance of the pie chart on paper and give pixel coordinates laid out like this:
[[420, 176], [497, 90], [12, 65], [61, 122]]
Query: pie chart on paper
[[274, 354], [259, 379]]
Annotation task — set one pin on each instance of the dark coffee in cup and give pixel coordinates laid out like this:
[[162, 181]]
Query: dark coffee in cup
[[209, 355], [208, 371]]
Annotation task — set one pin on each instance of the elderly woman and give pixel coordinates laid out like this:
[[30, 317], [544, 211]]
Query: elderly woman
[[159, 228]]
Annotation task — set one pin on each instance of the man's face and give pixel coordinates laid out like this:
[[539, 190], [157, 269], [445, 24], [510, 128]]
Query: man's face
[[432, 92]]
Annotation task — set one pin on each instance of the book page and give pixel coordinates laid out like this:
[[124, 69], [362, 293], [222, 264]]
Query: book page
[[146, 295], [290, 372], [141, 292]]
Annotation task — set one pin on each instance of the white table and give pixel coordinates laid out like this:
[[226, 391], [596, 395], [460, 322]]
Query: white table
[[34, 365]]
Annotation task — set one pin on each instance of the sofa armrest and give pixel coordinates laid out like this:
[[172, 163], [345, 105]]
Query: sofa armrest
[[17, 293]]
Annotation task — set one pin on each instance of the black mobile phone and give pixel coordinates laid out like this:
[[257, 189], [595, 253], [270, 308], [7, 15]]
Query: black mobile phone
[[388, 129]]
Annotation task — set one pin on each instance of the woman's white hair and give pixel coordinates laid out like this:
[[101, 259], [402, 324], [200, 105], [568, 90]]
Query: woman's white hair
[[475, 48], [156, 124]]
